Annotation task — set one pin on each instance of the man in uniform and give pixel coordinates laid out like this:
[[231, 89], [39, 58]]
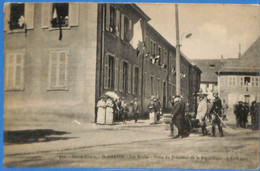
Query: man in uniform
[[177, 117], [216, 110]]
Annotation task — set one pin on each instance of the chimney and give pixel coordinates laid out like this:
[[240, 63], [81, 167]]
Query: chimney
[[239, 53], [222, 58]]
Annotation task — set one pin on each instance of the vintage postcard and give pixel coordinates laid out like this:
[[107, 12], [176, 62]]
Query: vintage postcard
[[133, 85]]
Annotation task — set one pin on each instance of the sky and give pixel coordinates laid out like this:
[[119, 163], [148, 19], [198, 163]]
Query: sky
[[217, 29]]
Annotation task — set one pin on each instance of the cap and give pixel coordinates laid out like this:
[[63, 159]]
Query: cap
[[136, 99]]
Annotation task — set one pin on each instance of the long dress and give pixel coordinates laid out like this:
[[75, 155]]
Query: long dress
[[109, 112], [152, 113], [202, 110], [101, 113]]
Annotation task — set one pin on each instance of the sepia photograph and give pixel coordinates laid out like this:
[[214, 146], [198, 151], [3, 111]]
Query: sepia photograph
[[131, 85]]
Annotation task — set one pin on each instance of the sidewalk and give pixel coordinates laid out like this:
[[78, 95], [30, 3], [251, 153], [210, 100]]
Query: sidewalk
[[89, 135]]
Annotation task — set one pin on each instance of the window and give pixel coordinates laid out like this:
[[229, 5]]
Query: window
[[242, 81], [128, 32], [125, 77], [136, 80], [58, 70], [111, 72], [18, 16], [60, 15], [246, 80], [253, 81], [151, 85], [56, 15], [159, 53], [14, 78], [112, 19], [17, 19], [212, 66], [256, 82], [158, 87]]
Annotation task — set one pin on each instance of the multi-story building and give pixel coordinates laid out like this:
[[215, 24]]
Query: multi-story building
[[239, 80], [209, 78], [60, 57]]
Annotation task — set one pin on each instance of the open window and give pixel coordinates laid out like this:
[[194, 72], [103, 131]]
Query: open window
[[60, 15], [17, 20], [18, 16], [246, 80], [55, 15]]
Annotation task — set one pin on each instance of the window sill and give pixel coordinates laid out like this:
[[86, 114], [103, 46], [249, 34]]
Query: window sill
[[14, 89], [112, 34], [16, 31], [56, 28], [58, 89]]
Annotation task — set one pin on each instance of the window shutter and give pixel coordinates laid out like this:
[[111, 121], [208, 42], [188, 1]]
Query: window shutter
[[73, 14], [46, 11], [18, 71], [129, 78], [107, 17], [6, 16], [29, 15], [122, 27], [131, 30], [140, 82], [121, 77], [10, 70], [133, 83], [62, 69], [53, 69], [23, 71], [116, 73], [117, 23], [106, 72]]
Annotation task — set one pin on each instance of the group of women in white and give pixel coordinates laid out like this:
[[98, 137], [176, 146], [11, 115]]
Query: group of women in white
[[105, 113]]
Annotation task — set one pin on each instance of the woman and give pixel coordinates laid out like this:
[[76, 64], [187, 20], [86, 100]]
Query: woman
[[109, 111], [152, 111], [201, 113], [101, 113]]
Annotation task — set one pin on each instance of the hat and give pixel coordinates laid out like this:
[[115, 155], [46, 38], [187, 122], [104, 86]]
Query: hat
[[123, 98], [177, 96], [136, 99], [154, 100]]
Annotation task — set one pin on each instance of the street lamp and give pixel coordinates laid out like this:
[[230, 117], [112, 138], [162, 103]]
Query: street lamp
[[187, 36]]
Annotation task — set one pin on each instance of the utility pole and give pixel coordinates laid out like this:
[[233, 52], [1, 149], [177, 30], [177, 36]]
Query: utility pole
[[178, 78]]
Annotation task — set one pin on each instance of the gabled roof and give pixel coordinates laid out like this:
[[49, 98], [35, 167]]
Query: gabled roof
[[249, 61], [208, 69]]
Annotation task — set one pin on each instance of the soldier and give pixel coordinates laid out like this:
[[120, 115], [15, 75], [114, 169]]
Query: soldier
[[216, 110], [236, 108], [240, 112], [177, 117], [253, 115], [136, 109]]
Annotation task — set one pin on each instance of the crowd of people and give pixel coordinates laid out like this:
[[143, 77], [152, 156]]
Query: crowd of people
[[242, 110], [110, 110], [206, 113], [209, 112]]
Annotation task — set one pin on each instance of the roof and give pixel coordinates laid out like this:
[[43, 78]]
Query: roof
[[208, 69], [248, 63], [146, 17], [240, 70]]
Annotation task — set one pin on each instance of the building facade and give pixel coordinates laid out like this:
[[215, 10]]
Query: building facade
[[60, 57], [239, 80]]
